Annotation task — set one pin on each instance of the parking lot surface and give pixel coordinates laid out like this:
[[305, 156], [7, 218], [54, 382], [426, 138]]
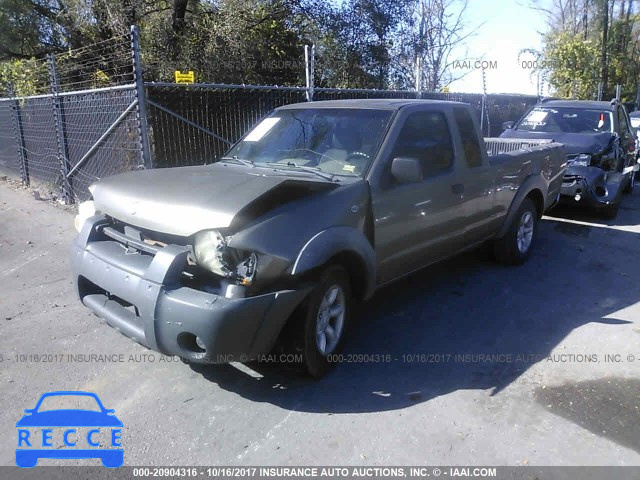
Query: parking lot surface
[[463, 363]]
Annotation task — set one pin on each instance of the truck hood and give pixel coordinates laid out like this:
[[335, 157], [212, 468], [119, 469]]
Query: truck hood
[[573, 142], [184, 200]]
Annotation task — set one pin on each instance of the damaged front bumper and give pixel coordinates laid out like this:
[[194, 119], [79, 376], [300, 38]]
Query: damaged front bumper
[[594, 187], [142, 296]]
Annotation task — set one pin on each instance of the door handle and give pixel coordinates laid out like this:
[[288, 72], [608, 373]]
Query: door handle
[[457, 189]]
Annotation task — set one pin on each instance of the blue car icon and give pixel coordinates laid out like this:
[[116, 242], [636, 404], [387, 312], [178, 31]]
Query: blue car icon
[[99, 419]]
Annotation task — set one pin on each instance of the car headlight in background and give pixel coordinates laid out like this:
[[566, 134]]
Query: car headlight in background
[[582, 160], [212, 253], [85, 210]]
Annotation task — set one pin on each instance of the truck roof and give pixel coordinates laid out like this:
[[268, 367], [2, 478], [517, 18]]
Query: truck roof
[[578, 104], [373, 103]]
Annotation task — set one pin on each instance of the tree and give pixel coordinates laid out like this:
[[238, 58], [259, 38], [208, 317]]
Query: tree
[[570, 65], [355, 41], [429, 36], [609, 26], [359, 43], [604, 45]]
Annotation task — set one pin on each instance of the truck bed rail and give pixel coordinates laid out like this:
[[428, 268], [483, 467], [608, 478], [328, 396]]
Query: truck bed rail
[[496, 146]]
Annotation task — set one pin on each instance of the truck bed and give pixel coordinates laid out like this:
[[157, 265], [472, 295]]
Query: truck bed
[[515, 159]]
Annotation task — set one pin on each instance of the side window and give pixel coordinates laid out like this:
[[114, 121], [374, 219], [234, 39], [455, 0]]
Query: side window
[[469, 136], [622, 120], [426, 136]]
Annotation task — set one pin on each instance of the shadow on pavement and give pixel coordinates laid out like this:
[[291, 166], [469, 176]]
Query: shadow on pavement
[[608, 407], [465, 306]]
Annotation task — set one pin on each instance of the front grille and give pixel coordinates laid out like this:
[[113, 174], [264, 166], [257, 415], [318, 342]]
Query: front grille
[[143, 240], [148, 242]]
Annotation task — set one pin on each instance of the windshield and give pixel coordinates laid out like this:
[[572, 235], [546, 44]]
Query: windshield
[[336, 141], [567, 120]]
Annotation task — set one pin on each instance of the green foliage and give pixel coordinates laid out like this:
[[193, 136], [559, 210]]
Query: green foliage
[[21, 77], [572, 65], [225, 41], [574, 49]]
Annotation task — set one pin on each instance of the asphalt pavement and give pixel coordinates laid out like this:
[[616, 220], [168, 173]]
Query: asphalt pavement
[[464, 363]]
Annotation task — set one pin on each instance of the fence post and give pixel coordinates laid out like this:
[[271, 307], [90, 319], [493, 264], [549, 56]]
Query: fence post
[[143, 127], [18, 134], [418, 73], [483, 100], [309, 63], [61, 136]]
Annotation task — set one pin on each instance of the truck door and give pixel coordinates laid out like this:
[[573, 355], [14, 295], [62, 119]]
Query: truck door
[[477, 179], [417, 222]]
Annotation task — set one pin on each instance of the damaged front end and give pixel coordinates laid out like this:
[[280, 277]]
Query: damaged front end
[[597, 179], [221, 293]]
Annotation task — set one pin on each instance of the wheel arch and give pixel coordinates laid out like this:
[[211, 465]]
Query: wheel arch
[[533, 188], [538, 200], [343, 246]]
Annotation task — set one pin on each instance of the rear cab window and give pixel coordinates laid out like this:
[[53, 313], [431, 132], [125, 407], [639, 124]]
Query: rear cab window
[[468, 136]]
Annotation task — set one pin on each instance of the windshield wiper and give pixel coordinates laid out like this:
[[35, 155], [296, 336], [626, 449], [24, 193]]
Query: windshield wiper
[[316, 170], [241, 160]]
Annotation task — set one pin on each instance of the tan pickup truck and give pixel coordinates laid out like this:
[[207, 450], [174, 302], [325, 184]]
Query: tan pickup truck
[[314, 208]]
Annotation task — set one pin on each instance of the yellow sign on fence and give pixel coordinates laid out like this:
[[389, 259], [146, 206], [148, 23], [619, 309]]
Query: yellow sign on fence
[[189, 77]]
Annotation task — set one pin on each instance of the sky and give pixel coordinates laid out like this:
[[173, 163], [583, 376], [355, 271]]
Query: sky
[[508, 26]]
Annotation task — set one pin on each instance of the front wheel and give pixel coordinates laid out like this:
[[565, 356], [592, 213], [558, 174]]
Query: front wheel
[[322, 321], [515, 246]]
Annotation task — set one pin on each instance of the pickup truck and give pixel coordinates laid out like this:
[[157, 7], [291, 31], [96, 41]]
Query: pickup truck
[[314, 209]]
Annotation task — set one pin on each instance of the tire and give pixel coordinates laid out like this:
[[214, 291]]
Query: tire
[[515, 246], [610, 212], [309, 319]]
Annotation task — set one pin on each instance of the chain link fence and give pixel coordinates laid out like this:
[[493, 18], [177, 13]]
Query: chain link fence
[[87, 114], [9, 152], [192, 125], [80, 121]]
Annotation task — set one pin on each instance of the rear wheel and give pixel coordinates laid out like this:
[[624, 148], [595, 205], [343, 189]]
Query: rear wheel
[[322, 320], [515, 246]]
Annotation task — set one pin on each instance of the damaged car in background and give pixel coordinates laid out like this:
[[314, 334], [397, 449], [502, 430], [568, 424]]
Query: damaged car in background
[[312, 210], [600, 144]]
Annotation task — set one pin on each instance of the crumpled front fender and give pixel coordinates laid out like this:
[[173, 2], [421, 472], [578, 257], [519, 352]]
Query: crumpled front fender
[[340, 241], [305, 234]]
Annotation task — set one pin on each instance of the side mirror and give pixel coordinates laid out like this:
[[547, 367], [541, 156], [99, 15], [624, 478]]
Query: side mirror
[[406, 170], [507, 125]]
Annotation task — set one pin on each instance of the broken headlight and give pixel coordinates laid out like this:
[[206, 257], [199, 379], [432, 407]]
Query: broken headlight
[[85, 210], [582, 160], [212, 253]]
